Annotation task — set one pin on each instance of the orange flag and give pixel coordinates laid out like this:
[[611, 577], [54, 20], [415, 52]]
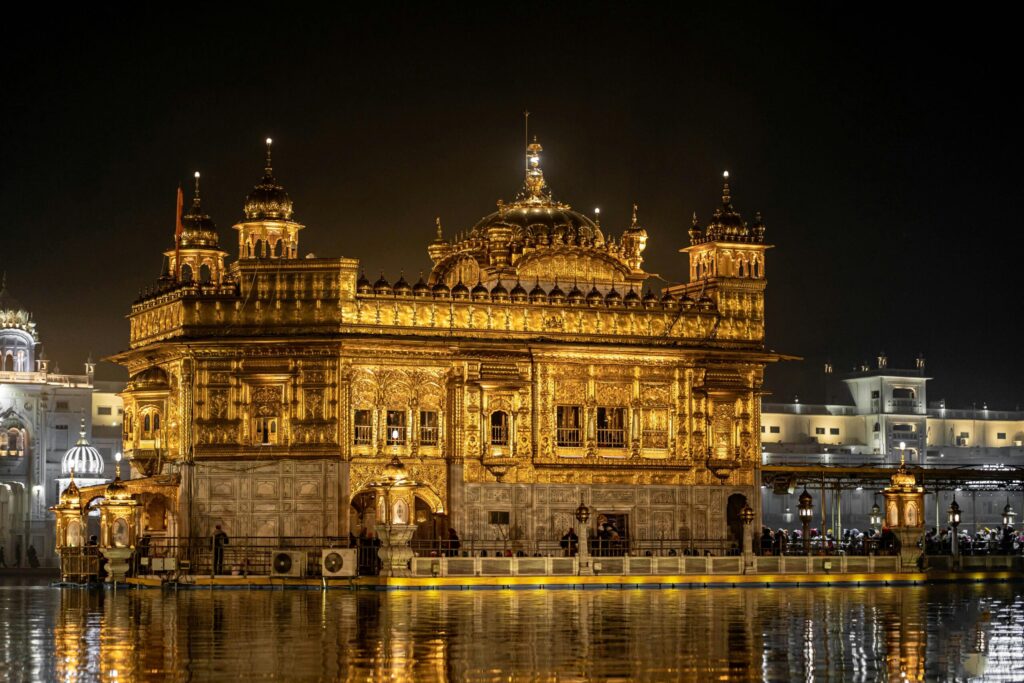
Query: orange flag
[[177, 236]]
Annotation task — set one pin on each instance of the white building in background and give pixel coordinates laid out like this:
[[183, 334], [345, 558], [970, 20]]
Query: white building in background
[[869, 414], [42, 415]]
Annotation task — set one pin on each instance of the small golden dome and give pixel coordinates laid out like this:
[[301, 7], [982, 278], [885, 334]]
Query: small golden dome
[[197, 228], [71, 496], [268, 199]]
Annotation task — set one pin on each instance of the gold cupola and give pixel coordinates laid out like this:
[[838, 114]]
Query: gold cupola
[[268, 230], [196, 256]]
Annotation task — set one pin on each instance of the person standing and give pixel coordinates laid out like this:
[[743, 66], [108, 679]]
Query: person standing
[[17, 554], [453, 543], [3, 561], [220, 539], [33, 557]]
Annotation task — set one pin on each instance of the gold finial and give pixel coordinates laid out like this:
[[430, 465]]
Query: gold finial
[[597, 215], [633, 225], [726, 198], [695, 222], [197, 184], [438, 221], [269, 168]]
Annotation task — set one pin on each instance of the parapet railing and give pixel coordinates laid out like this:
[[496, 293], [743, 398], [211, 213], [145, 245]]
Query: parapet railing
[[653, 565]]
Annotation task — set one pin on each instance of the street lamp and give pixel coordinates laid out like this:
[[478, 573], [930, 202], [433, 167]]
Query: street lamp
[[747, 516], [954, 522], [582, 517], [1008, 514], [876, 517], [806, 512]]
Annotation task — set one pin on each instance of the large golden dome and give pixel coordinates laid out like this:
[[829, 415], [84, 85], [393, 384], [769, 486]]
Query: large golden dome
[[537, 237]]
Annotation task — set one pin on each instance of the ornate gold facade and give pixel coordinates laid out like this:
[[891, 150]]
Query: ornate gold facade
[[528, 372]]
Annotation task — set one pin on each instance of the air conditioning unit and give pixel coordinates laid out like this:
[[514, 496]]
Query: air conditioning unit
[[287, 563], [338, 561]]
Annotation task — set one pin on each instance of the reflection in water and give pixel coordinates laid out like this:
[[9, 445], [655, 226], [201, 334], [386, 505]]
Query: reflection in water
[[785, 634]]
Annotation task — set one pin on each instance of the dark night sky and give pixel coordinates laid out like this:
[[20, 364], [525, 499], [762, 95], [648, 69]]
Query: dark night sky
[[883, 151]]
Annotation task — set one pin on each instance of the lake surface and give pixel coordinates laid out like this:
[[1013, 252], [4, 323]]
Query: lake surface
[[785, 634]]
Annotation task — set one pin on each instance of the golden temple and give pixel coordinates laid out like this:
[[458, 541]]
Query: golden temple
[[531, 371]]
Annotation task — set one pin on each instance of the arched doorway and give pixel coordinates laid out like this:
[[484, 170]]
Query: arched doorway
[[737, 502]]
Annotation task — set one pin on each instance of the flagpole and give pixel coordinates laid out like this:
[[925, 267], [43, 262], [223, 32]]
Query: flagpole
[[177, 237]]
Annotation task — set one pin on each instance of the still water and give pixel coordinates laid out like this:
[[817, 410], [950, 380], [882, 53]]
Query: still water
[[784, 634]]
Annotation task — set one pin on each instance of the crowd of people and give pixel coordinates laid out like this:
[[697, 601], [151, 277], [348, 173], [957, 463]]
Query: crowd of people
[[985, 541], [850, 542]]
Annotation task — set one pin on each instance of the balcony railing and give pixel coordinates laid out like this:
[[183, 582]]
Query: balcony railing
[[499, 435], [611, 438], [363, 435], [569, 437], [428, 436]]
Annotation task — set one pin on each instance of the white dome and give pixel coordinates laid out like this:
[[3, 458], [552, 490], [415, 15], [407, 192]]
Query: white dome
[[82, 458]]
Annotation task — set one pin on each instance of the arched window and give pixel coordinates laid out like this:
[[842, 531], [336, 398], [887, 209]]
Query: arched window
[[499, 428], [8, 363], [204, 273], [186, 273], [151, 425]]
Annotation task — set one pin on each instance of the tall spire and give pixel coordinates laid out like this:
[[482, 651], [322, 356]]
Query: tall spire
[[726, 197], [268, 170]]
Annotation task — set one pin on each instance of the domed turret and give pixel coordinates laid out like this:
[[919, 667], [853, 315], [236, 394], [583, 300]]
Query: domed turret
[[613, 298], [499, 293], [594, 297], [632, 299], [363, 285], [441, 291], [382, 286], [650, 299], [268, 199], [421, 288], [71, 496], [518, 293], [727, 225], [402, 288], [575, 295], [537, 294], [151, 379], [480, 292], [197, 228], [268, 230], [18, 336], [460, 291], [556, 295]]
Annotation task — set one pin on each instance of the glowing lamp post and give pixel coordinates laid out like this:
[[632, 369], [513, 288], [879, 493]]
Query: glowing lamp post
[[395, 526], [582, 517], [876, 517], [954, 521], [747, 517], [806, 509], [1008, 514]]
